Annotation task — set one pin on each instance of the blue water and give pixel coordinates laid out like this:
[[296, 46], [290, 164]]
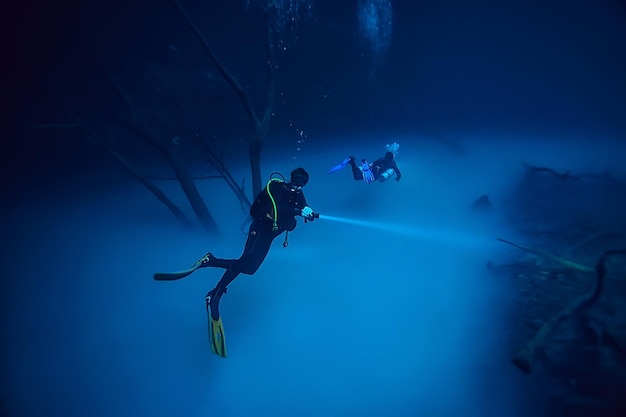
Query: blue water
[[382, 306]]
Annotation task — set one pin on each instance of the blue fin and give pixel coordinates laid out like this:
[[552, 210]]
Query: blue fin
[[340, 166]]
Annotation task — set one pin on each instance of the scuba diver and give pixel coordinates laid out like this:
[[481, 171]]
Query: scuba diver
[[273, 212], [380, 170]]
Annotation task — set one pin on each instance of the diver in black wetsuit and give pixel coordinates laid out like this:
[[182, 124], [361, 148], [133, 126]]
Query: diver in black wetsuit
[[381, 169], [273, 212], [371, 172]]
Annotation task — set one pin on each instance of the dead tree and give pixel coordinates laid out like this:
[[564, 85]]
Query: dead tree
[[261, 123], [105, 144], [174, 159], [210, 156], [523, 358]]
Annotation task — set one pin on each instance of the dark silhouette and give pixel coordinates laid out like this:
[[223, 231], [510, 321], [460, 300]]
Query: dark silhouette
[[381, 169], [273, 212]]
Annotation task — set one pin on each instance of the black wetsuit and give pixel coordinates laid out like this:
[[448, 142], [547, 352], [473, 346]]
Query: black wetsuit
[[378, 167], [263, 230]]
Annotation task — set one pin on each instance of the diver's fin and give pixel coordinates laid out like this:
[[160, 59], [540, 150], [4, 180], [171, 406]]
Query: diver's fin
[[216, 328], [335, 168], [368, 175], [341, 165], [172, 276], [216, 334]]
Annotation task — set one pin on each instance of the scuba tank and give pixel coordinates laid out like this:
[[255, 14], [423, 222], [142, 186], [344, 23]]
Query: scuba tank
[[386, 175], [389, 173]]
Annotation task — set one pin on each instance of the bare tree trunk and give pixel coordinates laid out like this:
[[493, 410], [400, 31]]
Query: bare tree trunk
[[182, 175], [261, 126], [184, 178], [160, 195], [93, 137], [219, 165], [215, 161], [191, 191], [254, 153]]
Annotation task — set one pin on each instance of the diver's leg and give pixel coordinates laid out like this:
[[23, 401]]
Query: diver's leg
[[257, 247], [213, 297], [356, 172], [255, 251], [247, 264], [211, 261]]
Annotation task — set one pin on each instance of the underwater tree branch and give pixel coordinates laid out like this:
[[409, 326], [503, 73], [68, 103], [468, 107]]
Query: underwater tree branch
[[219, 165], [160, 195], [210, 156], [271, 90], [180, 170], [125, 98], [204, 177], [563, 176], [54, 126], [550, 257], [261, 126], [524, 357], [230, 79], [96, 140]]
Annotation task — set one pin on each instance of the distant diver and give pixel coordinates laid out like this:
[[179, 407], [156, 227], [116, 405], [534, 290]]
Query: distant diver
[[273, 212], [380, 170]]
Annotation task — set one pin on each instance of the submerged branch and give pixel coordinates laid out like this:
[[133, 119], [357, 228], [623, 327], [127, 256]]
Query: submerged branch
[[562, 176], [550, 257], [54, 126], [230, 79], [524, 357], [160, 195], [261, 124]]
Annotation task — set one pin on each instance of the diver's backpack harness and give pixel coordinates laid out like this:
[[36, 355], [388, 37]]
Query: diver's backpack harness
[[275, 211], [269, 193]]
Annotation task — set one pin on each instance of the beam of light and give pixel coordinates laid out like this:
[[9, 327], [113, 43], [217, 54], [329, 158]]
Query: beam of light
[[441, 235]]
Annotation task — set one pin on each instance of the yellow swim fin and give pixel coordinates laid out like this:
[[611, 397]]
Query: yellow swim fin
[[216, 333]]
